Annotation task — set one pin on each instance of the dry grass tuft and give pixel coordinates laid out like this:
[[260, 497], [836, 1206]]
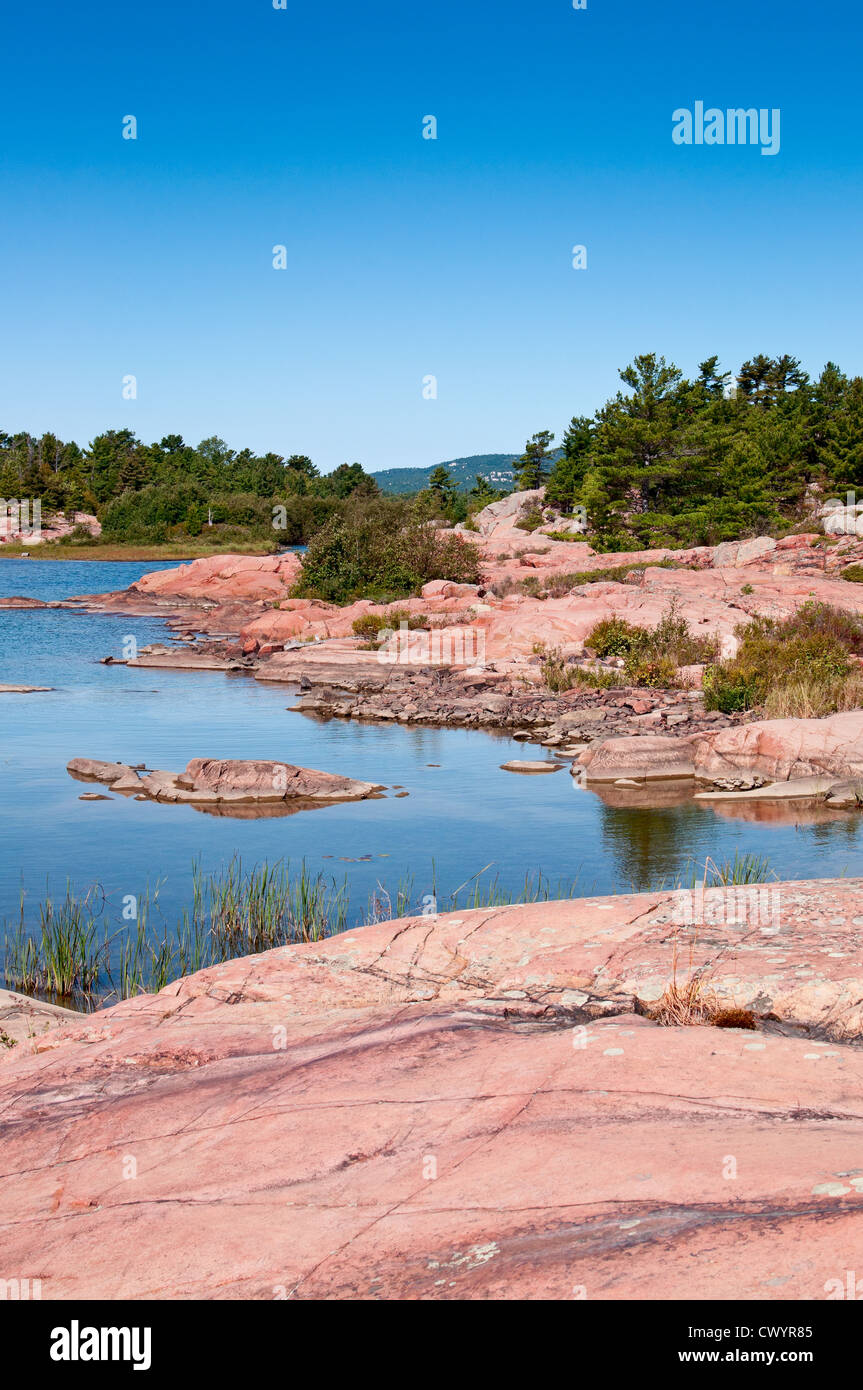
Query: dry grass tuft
[[810, 698], [734, 1018]]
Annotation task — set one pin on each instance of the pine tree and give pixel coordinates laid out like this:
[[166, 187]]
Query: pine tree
[[531, 468], [568, 473]]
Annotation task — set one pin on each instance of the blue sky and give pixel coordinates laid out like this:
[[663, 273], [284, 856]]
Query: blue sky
[[409, 257]]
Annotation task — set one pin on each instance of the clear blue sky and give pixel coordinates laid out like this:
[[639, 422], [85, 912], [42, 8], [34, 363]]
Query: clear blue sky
[[409, 257]]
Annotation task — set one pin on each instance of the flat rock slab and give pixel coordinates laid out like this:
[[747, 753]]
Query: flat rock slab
[[22, 1019], [638, 758], [427, 1109], [529, 766], [97, 770], [795, 789], [185, 661]]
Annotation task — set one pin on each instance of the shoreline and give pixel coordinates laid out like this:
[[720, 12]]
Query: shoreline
[[235, 613], [123, 554]]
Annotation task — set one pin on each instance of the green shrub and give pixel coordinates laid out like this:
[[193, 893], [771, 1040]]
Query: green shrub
[[797, 667], [597, 678], [369, 625], [382, 548], [557, 674], [669, 645], [854, 573], [728, 692], [658, 672], [530, 520], [613, 637]]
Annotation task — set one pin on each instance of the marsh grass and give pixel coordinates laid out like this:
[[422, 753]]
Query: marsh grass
[[72, 957], [742, 869], [66, 954], [474, 892]]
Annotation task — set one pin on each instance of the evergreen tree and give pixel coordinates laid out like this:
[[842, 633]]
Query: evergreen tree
[[531, 468], [482, 492], [440, 486], [568, 474]]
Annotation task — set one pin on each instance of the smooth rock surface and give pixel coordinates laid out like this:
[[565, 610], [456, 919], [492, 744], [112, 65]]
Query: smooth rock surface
[[456, 1107], [785, 748], [22, 1020], [648, 757], [529, 765]]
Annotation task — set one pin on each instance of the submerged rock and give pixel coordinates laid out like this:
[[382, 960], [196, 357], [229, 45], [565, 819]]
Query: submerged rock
[[94, 770], [530, 766]]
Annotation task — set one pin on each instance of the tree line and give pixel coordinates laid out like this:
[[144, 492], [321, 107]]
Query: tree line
[[148, 492], [667, 461], [670, 461]]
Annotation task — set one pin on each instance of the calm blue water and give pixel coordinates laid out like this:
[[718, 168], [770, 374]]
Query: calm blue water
[[459, 816]]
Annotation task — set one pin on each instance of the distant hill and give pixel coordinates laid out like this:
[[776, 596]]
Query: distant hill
[[496, 467]]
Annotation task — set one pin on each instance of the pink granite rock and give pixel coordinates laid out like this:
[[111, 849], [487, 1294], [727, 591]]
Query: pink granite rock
[[461, 1107], [260, 777], [650, 757], [783, 748], [227, 780], [224, 577]]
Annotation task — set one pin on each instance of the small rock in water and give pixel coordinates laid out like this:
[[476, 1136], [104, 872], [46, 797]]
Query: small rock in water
[[526, 765]]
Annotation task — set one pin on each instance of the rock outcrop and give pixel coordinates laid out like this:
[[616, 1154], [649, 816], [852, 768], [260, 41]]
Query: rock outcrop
[[798, 758], [208, 781], [53, 528], [714, 588], [24, 1020], [646, 757], [783, 748], [468, 1106], [224, 577]]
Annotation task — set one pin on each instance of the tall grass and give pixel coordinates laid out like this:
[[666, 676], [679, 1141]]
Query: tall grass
[[72, 957], [743, 868], [799, 667], [692, 999], [66, 955]]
